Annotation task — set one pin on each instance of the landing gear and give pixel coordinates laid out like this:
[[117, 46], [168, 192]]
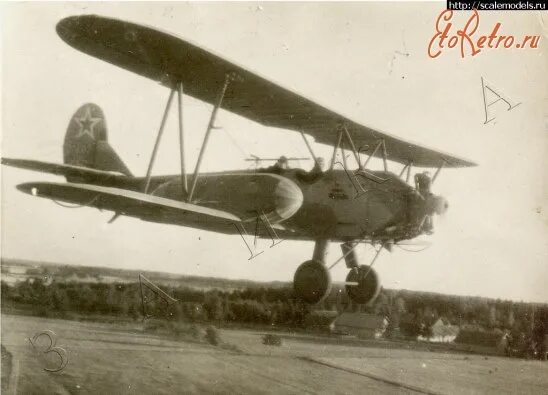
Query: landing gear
[[362, 284], [312, 281]]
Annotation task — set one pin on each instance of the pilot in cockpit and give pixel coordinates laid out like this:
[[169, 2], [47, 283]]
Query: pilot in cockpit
[[423, 183], [280, 166]]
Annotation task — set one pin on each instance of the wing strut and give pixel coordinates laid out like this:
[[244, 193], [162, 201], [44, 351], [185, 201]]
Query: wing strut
[[159, 137], [157, 143], [228, 78], [340, 144], [210, 126], [361, 167], [342, 154], [438, 170], [339, 138], [309, 149], [372, 154], [384, 161], [407, 167], [182, 137], [380, 144], [354, 150]]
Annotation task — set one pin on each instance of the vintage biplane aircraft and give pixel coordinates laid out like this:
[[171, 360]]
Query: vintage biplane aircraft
[[337, 204]]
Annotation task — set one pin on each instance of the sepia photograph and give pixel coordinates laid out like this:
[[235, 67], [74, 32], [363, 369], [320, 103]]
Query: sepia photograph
[[274, 197]]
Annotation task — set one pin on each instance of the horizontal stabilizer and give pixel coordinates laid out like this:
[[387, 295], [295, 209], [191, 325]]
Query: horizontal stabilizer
[[72, 171], [131, 203]]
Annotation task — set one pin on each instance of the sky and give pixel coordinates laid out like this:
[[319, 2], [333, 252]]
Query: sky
[[367, 61]]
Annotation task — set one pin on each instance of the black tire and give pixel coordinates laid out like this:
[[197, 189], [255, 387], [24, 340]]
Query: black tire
[[312, 282], [368, 286]]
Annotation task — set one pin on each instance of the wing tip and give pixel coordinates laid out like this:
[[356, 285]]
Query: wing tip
[[14, 162], [30, 188], [70, 27], [458, 162]]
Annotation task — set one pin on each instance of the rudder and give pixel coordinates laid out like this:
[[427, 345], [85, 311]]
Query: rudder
[[86, 141]]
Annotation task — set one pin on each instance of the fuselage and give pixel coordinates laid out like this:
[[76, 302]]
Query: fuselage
[[335, 205]]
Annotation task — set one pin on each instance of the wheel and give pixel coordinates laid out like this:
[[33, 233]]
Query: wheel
[[368, 284], [312, 281]]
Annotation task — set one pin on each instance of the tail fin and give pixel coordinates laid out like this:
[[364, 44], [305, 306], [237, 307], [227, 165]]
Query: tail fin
[[86, 142]]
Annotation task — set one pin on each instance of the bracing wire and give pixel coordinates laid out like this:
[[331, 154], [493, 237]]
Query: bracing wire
[[235, 143]]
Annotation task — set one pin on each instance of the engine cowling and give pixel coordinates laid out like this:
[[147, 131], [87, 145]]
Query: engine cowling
[[368, 284], [312, 281]]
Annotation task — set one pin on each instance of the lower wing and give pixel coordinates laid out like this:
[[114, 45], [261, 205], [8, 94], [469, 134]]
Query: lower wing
[[127, 202]]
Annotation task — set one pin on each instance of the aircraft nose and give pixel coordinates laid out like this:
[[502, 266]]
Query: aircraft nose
[[442, 205], [288, 197], [437, 205]]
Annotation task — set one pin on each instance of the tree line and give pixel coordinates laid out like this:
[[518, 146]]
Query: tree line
[[414, 312]]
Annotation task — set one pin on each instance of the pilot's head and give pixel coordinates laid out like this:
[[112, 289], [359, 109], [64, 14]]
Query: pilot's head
[[282, 162], [423, 182]]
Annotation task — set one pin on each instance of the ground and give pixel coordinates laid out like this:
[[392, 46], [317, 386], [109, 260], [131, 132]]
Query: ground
[[108, 358]]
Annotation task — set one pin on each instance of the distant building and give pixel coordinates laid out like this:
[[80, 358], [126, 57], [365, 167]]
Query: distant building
[[493, 341], [13, 273], [442, 332], [14, 269], [362, 325]]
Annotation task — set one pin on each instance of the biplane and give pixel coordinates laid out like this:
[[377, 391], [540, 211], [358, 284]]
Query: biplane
[[335, 204]]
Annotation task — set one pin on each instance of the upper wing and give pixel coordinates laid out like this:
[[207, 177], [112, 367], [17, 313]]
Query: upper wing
[[168, 59], [125, 201]]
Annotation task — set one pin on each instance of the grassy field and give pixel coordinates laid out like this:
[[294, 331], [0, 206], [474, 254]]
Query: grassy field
[[122, 359]]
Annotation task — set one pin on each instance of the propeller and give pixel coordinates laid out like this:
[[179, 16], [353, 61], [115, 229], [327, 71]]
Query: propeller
[[431, 205]]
